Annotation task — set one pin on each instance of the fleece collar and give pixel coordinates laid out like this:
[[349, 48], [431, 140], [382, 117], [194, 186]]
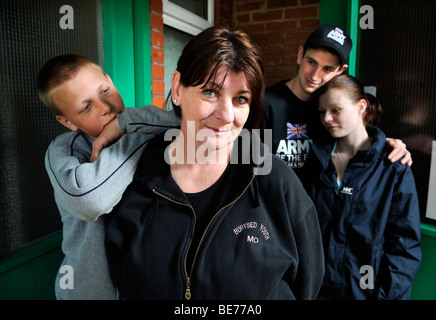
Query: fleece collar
[[154, 173]]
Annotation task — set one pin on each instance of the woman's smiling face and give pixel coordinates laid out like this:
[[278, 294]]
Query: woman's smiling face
[[218, 110]]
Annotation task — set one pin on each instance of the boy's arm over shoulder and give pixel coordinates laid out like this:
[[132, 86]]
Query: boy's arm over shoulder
[[91, 189], [148, 119]]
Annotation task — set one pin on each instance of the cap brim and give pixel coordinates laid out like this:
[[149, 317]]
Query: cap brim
[[331, 45]]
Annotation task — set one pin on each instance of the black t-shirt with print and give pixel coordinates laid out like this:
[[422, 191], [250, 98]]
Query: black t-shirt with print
[[294, 124]]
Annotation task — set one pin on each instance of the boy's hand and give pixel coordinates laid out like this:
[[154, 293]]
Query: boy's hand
[[399, 150], [109, 135]]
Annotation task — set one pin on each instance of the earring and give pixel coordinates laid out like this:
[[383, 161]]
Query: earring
[[175, 100]]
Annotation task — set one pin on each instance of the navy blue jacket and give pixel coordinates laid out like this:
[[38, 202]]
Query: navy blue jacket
[[264, 242], [372, 222]]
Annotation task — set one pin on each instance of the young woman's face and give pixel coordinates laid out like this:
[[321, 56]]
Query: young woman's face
[[88, 101], [213, 111], [339, 114]]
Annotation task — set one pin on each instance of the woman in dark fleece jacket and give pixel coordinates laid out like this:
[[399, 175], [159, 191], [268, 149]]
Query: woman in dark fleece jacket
[[367, 206], [210, 214]]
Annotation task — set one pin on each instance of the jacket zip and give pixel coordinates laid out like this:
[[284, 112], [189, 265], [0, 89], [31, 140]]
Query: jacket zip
[[188, 293]]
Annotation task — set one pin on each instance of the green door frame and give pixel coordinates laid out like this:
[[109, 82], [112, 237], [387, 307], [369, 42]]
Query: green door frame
[[344, 14], [127, 49]]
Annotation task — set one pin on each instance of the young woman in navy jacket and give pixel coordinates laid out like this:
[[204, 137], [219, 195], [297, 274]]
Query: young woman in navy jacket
[[367, 206]]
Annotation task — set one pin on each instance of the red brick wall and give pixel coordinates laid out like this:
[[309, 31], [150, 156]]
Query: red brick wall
[[223, 12], [279, 27], [157, 54]]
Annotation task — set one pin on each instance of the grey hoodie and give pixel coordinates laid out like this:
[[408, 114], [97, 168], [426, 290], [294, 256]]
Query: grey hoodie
[[85, 191]]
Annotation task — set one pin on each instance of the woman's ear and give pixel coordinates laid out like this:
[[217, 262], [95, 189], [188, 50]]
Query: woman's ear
[[176, 88], [362, 106], [67, 123]]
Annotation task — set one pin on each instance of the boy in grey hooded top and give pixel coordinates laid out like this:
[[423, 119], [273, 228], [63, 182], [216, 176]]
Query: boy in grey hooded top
[[85, 100]]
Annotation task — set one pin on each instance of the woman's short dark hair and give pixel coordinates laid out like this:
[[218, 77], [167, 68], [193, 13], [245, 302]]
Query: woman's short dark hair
[[223, 46]]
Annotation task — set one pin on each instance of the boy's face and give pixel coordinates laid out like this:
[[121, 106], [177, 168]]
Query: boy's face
[[316, 67], [88, 101]]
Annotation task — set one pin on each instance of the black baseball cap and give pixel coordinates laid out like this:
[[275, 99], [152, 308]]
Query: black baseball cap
[[332, 37]]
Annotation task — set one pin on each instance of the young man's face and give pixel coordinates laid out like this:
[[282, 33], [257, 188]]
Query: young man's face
[[88, 101], [316, 67]]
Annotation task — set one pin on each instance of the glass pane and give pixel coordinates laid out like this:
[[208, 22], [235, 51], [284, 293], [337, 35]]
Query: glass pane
[[198, 7], [30, 35], [398, 57], [175, 41]]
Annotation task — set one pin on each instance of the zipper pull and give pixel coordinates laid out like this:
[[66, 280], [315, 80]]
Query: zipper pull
[[188, 288]]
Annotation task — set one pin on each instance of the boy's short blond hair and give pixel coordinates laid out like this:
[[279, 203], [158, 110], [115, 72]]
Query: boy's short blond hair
[[55, 72]]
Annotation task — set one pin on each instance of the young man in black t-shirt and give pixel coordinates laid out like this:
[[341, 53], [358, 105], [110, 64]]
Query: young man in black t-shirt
[[291, 108]]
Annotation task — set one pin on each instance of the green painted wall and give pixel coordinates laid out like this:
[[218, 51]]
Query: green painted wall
[[424, 287], [29, 274]]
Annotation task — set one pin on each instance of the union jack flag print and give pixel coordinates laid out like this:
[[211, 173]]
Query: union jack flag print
[[297, 131]]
